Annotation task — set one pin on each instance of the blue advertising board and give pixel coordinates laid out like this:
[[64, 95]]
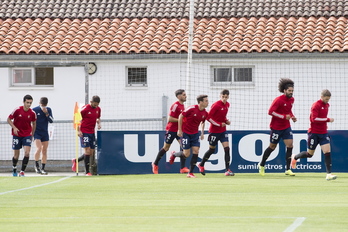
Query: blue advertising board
[[132, 152]]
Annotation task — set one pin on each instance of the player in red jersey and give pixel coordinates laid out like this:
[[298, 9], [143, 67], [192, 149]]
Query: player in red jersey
[[281, 113], [90, 114], [171, 132], [23, 123], [217, 131], [317, 133], [189, 122]]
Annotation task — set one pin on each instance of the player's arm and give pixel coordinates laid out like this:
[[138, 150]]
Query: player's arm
[[33, 126], [99, 123], [49, 115], [273, 111], [179, 133], [315, 115], [211, 119], [14, 128], [202, 129], [172, 119]]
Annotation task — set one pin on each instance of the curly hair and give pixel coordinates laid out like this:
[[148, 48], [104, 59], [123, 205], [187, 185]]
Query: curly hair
[[285, 83]]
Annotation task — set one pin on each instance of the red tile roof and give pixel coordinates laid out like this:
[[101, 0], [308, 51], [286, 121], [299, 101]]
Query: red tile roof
[[171, 9], [89, 36]]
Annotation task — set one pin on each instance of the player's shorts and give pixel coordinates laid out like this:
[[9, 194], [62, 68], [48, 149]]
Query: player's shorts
[[170, 136], [42, 136], [188, 141], [276, 135], [315, 139], [88, 140], [19, 142], [214, 138]]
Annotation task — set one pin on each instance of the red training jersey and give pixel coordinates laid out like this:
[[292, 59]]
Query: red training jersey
[[175, 110], [22, 120], [281, 106], [192, 118], [318, 118], [89, 118], [217, 116]]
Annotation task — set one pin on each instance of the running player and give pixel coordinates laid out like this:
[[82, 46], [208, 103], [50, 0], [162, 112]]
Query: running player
[[217, 131], [188, 125], [41, 137], [317, 133], [23, 123], [281, 113], [171, 132], [90, 114]]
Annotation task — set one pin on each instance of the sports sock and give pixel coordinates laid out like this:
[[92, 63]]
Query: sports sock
[[303, 154], [227, 158], [43, 166], [193, 162], [182, 161], [288, 157], [37, 164], [87, 163], [159, 156], [207, 155], [14, 162], [25, 163], [265, 156], [82, 157], [328, 163]]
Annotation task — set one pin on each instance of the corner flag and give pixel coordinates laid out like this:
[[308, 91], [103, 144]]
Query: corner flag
[[77, 116]]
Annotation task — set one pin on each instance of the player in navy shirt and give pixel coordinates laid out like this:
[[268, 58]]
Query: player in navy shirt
[[41, 137]]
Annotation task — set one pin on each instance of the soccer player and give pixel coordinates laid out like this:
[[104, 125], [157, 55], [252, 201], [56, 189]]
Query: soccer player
[[23, 123], [189, 122], [317, 133], [281, 113], [171, 132], [217, 131], [90, 114], [41, 137]]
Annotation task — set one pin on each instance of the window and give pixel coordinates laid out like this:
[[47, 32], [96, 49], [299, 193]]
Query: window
[[136, 76], [32, 77], [232, 76]]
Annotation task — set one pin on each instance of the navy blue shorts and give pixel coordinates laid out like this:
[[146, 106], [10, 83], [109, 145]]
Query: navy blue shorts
[[170, 136], [189, 141], [214, 138], [88, 140], [315, 139], [276, 135], [43, 137], [19, 142]]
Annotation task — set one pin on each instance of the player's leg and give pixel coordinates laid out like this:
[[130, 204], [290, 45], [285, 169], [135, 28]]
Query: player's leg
[[38, 151], [226, 147], [326, 148], [44, 157], [312, 143], [289, 145], [15, 161]]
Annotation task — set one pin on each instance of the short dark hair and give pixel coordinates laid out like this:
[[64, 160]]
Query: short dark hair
[[285, 83], [326, 93], [27, 97], [201, 97], [225, 92], [96, 98], [44, 101], [179, 91]]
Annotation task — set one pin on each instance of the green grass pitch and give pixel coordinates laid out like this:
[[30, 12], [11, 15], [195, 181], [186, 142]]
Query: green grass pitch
[[172, 202]]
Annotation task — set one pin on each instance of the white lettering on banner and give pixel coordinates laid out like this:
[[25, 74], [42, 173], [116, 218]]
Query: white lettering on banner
[[247, 149], [131, 151]]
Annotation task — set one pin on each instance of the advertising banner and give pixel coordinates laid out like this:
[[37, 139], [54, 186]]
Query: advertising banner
[[132, 152]]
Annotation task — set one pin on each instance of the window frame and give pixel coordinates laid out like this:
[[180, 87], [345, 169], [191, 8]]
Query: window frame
[[33, 77], [131, 85], [232, 72]]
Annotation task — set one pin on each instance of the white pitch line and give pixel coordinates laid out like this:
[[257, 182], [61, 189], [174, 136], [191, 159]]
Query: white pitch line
[[35, 186], [298, 222]]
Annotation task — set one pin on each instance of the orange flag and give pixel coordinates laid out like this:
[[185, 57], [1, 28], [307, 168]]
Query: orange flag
[[77, 116]]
